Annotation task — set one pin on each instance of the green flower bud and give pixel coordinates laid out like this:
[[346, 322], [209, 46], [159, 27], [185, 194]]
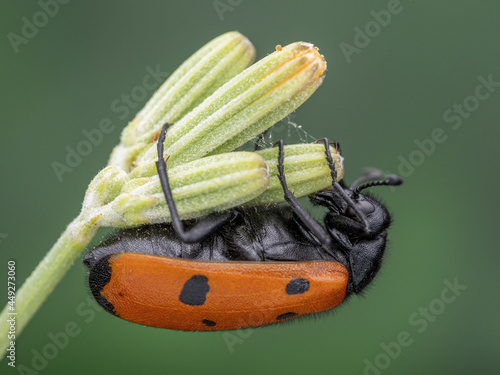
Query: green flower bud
[[245, 106], [200, 187], [105, 187], [196, 79]]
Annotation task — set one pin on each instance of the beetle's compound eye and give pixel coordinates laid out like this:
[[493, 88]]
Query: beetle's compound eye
[[364, 206]]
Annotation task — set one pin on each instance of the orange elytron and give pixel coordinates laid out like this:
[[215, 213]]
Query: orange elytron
[[207, 296]]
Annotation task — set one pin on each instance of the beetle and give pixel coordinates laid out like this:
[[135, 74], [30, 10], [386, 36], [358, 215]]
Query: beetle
[[244, 267]]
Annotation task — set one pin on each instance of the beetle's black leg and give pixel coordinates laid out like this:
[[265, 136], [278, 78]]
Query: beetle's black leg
[[201, 229], [340, 237], [339, 188], [307, 220]]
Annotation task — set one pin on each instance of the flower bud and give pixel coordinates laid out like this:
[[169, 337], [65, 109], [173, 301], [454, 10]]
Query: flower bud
[[196, 79], [245, 106], [105, 187], [200, 187]]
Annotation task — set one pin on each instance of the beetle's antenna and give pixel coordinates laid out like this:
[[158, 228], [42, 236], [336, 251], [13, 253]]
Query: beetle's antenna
[[369, 174], [339, 188], [391, 180]]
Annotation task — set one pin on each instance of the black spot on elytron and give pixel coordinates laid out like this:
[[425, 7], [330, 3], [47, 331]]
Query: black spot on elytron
[[99, 276], [194, 292], [297, 286], [208, 322], [286, 315]]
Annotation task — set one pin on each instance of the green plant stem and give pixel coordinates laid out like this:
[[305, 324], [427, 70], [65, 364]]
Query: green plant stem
[[46, 276]]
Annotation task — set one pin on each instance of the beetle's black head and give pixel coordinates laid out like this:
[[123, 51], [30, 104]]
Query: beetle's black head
[[355, 214], [358, 223]]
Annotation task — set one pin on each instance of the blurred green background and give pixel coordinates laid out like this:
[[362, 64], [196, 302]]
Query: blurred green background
[[381, 98]]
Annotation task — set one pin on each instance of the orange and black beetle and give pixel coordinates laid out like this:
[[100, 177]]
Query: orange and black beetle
[[243, 267]]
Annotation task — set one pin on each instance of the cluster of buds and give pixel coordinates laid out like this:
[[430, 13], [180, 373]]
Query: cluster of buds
[[216, 105]]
